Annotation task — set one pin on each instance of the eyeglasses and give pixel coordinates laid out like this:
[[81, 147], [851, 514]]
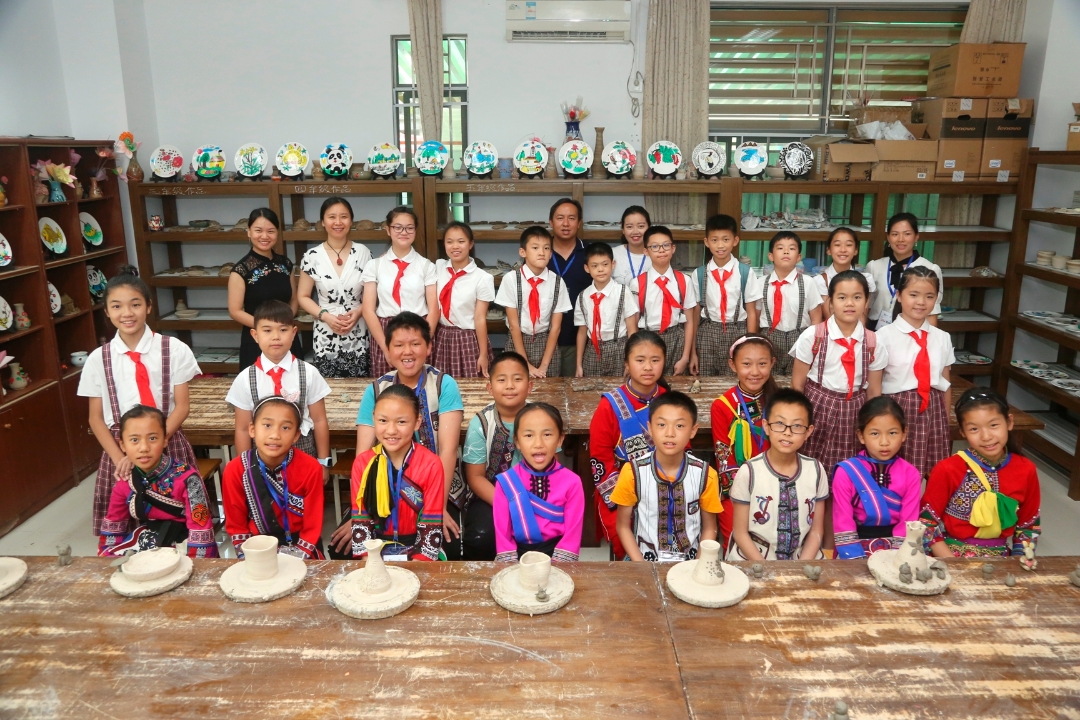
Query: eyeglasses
[[661, 248], [403, 229], [779, 427]]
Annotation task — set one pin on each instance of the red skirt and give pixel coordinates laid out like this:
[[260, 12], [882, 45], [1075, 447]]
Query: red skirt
[[457, 350], [379, 364], [929, 440], [834, 439]]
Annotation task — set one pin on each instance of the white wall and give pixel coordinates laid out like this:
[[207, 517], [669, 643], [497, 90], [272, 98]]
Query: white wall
[[32, 91]]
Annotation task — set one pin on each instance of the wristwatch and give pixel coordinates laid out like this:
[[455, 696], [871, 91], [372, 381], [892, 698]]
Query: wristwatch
[[325, 462]]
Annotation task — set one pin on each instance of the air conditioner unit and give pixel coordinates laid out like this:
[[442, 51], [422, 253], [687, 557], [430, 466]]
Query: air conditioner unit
[[596, 21]]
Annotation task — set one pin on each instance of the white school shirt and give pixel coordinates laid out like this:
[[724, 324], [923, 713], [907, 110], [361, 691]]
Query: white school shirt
[[507, 297], [628, 266], [789, 320], [474, 285], [420, 273], [881, 302], [736, 301], [240, 393], [92, 380], [824, 279], [835, 378], [899, 374], [653, 302], [609, 306]]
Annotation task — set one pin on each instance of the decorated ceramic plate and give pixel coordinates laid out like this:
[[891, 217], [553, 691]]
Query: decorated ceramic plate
[[250, 159], [54, 299], [1070, 384], [1040, 314], [384, 159], [978, 359], [6, 318], [5, 251], [709, 158], [531, 157], [751, 158], [166, 161], [96, 279], [52, 235], [796, 158], [1029, 365], [619, 157], [1049, 374], [481, 157], [575, 157], [91, 230], [431, 157], [292, 159], [208, 161], [336, 159], [664, 157]]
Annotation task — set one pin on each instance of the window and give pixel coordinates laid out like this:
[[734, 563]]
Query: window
[[792, 72]]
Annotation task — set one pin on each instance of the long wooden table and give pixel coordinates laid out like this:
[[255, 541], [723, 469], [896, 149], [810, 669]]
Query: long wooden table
[[622, 647]]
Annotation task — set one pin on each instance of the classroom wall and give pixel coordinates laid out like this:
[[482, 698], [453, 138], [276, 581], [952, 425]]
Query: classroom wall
[[32, 92]]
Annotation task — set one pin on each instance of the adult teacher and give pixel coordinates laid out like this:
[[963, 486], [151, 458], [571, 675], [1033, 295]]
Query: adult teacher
[[333, 268], [260, 275], [568, 260]]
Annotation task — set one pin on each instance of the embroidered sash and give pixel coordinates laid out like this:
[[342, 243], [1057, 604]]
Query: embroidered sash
[[634, 438], [525, 507], [992, 511], [261, 499], [500, 451], [880, 504]]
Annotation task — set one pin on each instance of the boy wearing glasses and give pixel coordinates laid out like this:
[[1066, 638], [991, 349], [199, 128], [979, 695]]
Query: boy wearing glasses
[[776, 494], [665, 297]]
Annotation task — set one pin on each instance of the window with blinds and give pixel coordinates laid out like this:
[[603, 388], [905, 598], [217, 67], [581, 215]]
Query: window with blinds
[[799, 71]]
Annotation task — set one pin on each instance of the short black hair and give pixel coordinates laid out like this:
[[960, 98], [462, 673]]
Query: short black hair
[[787, 396], [599, 248], [674, 399], [141, 411], [565, 201], [275, 311], [408, 321], [401, 392], [508, 356], [785, 235], [849, 276], [656, 230], [533, 231], [720, 223], [877, 407], [907, 217], [546, 408]]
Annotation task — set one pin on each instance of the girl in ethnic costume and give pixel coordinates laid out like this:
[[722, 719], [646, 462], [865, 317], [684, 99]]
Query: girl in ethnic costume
[[165, 498], [136, 367], [275, 489], [875, 493], [737, 430], [538, 504], [984, 500], [917, 373], [619, 431], [461, 340], [489, 451], [397, 486]]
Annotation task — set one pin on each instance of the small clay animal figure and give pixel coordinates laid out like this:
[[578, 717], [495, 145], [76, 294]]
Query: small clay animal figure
[[695, 386], [758, 569], [1010, 580], [63, 555], [905, 574], [840, 711], [1028, 561], [812, 571], [1074, 577], [346, 397], [924, 576], [939, 569], [987, 570], [541, 595]]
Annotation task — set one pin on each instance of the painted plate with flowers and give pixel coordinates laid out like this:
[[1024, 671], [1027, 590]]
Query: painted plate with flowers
[[54, 299], [575, 157], [335, 159], [384, 159], [6, 318], [208, 161], [531, 157], [292, 159], [52, 235], [250, 160], [480, 157], [664, 157], [619, 157], [431, 157], [167, 161], [5, 251]]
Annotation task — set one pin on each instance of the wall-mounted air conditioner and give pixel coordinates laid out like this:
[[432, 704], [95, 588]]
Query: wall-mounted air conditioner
[[596, 21]]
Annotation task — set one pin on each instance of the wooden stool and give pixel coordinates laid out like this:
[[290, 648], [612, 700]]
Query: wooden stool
[[341, 468], [212, 467]]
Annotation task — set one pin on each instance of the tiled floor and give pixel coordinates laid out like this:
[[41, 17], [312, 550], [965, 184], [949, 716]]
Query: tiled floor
[[67, 522]]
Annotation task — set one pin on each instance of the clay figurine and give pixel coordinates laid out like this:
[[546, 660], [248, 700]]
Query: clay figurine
[[905, 574], [907, 568], [532, 586], [1010, 580], [63, 555], [264, 574], [1028, 561], [1074, 576], [939, 569], [813, 572], [13, 573], [695, 386], [375, 590], [987, 570], [152, 572], [708, 581], [758, 569], [317, 172], [840, 711]]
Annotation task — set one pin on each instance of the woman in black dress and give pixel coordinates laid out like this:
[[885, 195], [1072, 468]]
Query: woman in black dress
[[260, 275]]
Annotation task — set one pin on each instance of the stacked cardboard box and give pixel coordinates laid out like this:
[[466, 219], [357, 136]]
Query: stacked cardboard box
[[1008, 126], [976, 71], [1073, 142], [959, 125], [836, 160]]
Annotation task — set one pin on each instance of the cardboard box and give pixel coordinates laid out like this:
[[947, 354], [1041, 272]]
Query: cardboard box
[[1008, 127], [1072, 141], [972, 70], [905, 160], [877, 113], [837, 160], [959, 124]]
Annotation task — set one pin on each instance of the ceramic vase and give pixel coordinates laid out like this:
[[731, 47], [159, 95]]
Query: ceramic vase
[[80, 191], [134, 169], [22, 320], [3, 197], [56, 192], [551, 170], [260, 557], [573, 130], [19, 378], [598, 152], [356, 171], [708, 570], [41, 193], [534, 568], [375, 579], [156, 223], [911, 551], [95, 190]]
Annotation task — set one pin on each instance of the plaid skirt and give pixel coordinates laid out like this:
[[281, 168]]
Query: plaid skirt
[[929, 440], [178, 449], [534, 352], [674, 338], [833, 439], [609, 364], [456, 351], [379, 364], [713, 344], [306, 444], [783, 341]]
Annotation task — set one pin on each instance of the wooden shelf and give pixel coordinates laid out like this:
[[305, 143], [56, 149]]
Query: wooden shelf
[[1042, 388], [57, 320], [972, 370], [804, 235], [8, 335], [1053, 157], [1047, 332], [968, 321], [13, 271], [105, 198], [964, 233], [216, 368], [9, 207], [1051, 217], [189, 281], [85, 256], [961, 277], [32, 387], [196, 236], [73, 372], [55, 204], [208, 319], [1057, 440], [1060, 277]]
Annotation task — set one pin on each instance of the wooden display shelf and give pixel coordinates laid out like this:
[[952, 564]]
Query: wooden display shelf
[[964, 233], [1047, 332], [32, 387], [189, 281], [13, 271], [968, 321], [9, 207], [1059, 277], [197, 236], [57, 320], [1049, 216], [54, 204], [203, 189], [972, 369], [1058, 440], [347, 187], [9, 335], [961, 277], [73, 372], [208, 319], [1042, 388], [104, 198], [804, 235], [104, 252]]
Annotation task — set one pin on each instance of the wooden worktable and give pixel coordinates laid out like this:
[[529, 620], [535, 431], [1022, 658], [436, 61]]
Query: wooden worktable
[[622, 647]]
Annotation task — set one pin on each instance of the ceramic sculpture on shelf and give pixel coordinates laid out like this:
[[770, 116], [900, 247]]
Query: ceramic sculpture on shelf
[[19, 379], [264, 574], [376, 590], [317, 172], [907, 569], [598, 160], [532, 586], [707, 581], [95, 190], [126, 144], [41, 193], [3, 192], [22, 320]]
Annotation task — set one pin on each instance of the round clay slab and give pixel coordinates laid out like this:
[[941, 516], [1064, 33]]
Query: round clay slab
[[151, 564], [347, 596], [507, 591], [882, 568], [680, 581], [12, 575], [238, 587], [129, 588]]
